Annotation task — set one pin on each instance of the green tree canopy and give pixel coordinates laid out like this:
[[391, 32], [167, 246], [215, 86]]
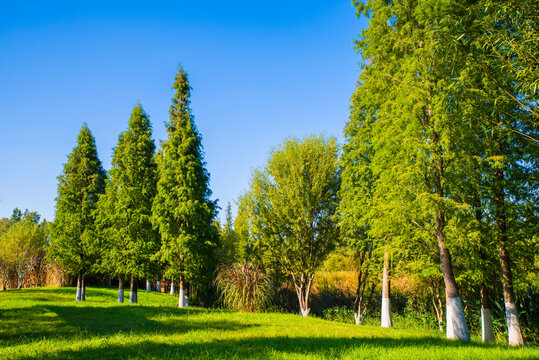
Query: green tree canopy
[[290, 207], [182, 209], [73, 242], [124, 217]]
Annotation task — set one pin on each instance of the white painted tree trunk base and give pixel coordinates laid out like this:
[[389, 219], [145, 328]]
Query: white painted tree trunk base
[[305, 312], [181, 300], [456, 323], [158, 286], [513, 325], [148, 286], [78, 297], [357, 318], [133, 297], [120, 295], [172, 290], [487, 332], [386, 313]]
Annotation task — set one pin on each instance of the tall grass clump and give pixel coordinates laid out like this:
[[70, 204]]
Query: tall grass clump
[[243, 287]]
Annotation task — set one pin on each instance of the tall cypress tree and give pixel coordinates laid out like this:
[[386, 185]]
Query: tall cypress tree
[[74, 245], [125, 210], [182, 208]]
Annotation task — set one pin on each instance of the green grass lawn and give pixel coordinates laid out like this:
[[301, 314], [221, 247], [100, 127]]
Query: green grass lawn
[[46, 323]]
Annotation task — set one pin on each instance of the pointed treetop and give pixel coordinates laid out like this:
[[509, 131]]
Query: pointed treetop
[[180, 112], [139, 119]]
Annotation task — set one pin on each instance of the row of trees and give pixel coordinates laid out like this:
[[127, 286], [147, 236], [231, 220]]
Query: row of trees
[[441, 156], [150, 216], [440, 164]]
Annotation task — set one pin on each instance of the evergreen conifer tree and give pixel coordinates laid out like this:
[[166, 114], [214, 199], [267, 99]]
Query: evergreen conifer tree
[[74, 245], [124, 217], [182, 209]]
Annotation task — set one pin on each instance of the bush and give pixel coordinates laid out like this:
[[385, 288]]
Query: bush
[[243, 287]]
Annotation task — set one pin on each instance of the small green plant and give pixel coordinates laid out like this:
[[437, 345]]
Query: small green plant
[[243, 287]]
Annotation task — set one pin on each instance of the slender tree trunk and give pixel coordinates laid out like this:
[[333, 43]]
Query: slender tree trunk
[[133, 294], [172, 290], [3, 271], [438, 306], [360, 305], [148, 286], [181, 300], [511, 312], [386, 298], [359, 291], [78, 297], [303, 287], [121, 288], [158, 286], [456, 327], [456, 322], [487, 332], [83, 290], [20, 276], [187, 293]]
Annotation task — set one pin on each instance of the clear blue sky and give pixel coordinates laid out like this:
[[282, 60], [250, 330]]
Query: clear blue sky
[[260, 72]]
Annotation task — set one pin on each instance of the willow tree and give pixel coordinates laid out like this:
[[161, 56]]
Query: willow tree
[[291, 205], [182, 209], [74, 245], [129, 240]]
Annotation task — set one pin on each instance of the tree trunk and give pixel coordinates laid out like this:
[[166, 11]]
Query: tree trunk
[[456, 327], [148, 286], [133, 294], [360, 306], [386, 299], [172, 290], [438, 307], [19, 273], [121, 288], [511, 312], [158, 286], [4, 277], [83, 290], [78, 297], [181, 300], [487, 331], [303, 290], [187, 293]]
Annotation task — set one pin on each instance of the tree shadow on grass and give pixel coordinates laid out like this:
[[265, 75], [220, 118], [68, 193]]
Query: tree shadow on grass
[[281, 346], [52, 321]]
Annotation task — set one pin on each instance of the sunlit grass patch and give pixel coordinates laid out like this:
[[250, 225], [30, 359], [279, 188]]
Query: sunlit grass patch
[[48, 324]]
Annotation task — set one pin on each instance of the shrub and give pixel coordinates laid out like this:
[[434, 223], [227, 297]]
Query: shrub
[[243, 287]]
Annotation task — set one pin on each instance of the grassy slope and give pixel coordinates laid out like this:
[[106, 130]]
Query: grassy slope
[[46, 323]]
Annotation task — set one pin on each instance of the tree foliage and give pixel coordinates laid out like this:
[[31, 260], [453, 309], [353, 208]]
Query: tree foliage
[[291, 204], [182, 209], [124, 211], [74, 245]]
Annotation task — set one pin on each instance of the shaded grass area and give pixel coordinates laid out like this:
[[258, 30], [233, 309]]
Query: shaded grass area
[[47, 323]]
